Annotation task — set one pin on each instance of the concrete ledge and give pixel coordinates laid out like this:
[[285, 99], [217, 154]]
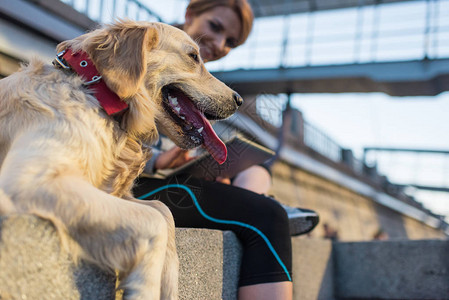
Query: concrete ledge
[[392, 270], [33, 265], [312, 269], [203, 275]]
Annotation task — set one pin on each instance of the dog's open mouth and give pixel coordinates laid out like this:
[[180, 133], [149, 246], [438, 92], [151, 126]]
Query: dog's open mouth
[[193, 122]]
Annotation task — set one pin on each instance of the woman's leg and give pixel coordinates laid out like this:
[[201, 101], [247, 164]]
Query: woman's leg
[[255, 178], [267, 291], [260, 223]]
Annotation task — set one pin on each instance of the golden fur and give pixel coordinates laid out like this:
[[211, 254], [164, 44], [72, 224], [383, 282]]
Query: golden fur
[[64, 159]]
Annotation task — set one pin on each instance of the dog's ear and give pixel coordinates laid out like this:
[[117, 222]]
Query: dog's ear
[[120, 55]]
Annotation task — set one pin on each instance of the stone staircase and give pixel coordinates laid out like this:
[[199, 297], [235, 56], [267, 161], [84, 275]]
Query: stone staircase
[[33, 266]]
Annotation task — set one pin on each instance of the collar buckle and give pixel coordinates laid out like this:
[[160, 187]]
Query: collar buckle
[[60, 61]]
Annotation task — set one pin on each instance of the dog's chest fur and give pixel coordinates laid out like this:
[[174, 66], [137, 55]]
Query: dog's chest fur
[[66, 125]]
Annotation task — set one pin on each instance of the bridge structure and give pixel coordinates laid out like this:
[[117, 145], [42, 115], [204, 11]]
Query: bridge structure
[[312, 46], [400, 48]]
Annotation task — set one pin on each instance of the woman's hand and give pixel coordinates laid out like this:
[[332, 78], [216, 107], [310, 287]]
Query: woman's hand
[[224, 180], [172, 158]]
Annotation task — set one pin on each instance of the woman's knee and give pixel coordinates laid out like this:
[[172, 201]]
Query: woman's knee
[[272, 217]]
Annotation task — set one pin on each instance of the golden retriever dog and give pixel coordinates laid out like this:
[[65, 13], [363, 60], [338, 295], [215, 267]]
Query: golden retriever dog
[[66, 158]]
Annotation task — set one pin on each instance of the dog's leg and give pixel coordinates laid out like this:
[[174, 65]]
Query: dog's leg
[[145, 278], [114, 233], [169, 287]]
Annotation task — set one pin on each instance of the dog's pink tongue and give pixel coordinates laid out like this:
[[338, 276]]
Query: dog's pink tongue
[[212, 142]]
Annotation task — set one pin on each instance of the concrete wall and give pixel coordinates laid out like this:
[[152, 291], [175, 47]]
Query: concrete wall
[[355, 217]]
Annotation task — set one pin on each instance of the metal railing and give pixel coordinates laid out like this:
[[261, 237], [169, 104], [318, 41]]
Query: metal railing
[[410, 30], [321, 143], [270, 109], [103, 11]]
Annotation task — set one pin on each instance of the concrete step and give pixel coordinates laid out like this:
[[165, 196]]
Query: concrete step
[[33, 266], [203, 275], [392, 269], [401, 269], [313, 269]]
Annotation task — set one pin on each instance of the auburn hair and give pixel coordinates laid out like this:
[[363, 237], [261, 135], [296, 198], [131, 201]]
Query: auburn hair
[[241, 7]]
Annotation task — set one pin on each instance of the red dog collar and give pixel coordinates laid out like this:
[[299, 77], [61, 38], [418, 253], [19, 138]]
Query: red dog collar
[[84, 67]]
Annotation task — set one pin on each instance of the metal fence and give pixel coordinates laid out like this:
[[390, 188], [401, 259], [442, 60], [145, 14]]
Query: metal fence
[[270, 109], [409, 30], [103, 11], [321, 143]]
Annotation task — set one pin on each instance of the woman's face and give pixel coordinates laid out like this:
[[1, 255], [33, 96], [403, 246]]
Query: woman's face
[[217, 31]]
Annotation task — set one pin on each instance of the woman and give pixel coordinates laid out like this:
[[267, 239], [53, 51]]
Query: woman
[[219, 26]]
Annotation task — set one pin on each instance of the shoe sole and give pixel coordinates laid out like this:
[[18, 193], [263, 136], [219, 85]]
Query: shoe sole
[[303, 224]]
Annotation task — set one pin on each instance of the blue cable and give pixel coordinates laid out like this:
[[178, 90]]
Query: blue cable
[[195, 201]]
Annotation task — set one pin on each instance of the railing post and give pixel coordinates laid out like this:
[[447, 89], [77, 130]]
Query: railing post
[[347, 157], [114, 8], [359, 31], [297, 126], [310, 33], [375, 31], [286, 20], [427, 31]]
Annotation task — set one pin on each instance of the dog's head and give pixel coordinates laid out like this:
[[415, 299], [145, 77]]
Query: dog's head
[[158, 71]]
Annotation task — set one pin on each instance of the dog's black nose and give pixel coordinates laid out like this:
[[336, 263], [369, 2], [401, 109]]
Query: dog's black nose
[[238, 99]]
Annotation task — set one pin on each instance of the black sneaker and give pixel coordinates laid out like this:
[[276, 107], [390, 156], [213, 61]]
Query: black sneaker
[[302, 220]]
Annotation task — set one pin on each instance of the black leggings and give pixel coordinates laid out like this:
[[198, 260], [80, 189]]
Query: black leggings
[[260, 223]]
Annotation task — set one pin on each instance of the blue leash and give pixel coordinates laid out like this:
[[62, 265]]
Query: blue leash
[[195, 201]]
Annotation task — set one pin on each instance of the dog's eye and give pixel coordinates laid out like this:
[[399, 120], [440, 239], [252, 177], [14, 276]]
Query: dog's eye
[[195, 57]]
